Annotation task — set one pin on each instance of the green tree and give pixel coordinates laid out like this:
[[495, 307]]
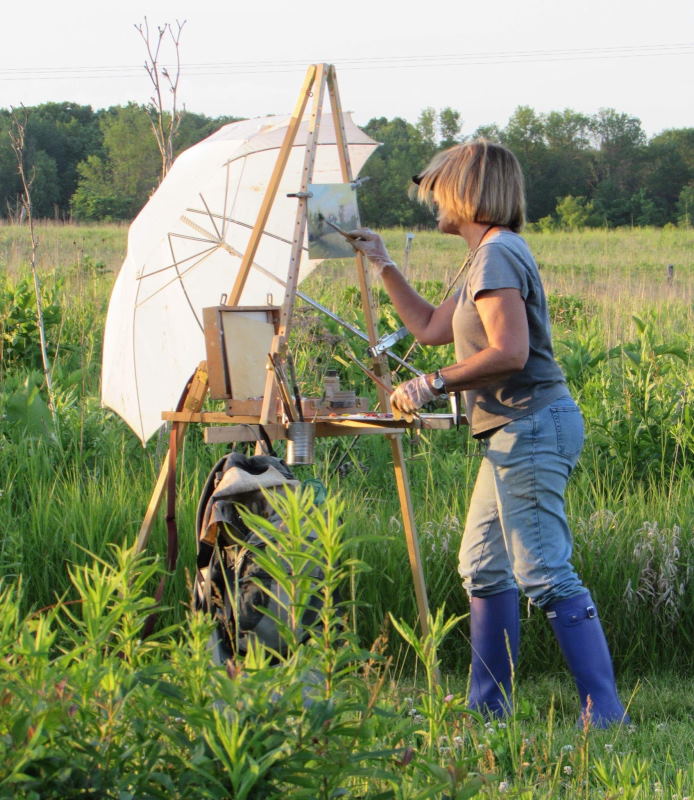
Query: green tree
[[426, 125], [66, 133], [668, 166], [685, 206], [404, 152], [619, 151], [574, 213], [450, 126], [57, 137], [10, 187], [524, 135], [117, 184]]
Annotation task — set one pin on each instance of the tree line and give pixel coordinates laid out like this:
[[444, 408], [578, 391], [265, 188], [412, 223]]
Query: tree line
[[580, 170]]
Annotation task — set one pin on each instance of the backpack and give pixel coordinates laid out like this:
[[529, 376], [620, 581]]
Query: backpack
[[227, 577]]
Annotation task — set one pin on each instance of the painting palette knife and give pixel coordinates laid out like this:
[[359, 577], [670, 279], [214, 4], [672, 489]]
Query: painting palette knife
[[336, 203]]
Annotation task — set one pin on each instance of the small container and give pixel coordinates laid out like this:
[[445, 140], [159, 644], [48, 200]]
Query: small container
[[300, 439], [331, 384]]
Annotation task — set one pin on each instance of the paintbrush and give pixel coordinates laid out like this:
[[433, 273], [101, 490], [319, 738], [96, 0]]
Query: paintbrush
[[397, 414], [282, 387], [350, 237], [295, 386]]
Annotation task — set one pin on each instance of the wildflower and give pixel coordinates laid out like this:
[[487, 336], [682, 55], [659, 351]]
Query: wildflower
[[631, 728], [567, 770], [502, 725], [448, 698], [657, 788], [504, 786], [609, 748], [458, 741], [409, 701], [444, 751], [661, 726], [418, 718], [567, 748]]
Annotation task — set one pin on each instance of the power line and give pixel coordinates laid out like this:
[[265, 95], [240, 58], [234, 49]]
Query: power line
[[207, 69]]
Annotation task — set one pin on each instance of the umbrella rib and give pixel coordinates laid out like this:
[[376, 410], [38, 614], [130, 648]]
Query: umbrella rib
[[179, 275], [226, 198], [211, 218], [180, 283], [276, 147], [187, 258], [245, 225], [137, 387]]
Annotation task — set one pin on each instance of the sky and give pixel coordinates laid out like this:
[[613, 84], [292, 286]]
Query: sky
[[248, 59]]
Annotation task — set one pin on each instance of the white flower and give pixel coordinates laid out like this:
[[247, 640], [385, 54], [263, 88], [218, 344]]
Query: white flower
[[458, 741], [504, 786], [567, 748], [609, 748], [567, 770]]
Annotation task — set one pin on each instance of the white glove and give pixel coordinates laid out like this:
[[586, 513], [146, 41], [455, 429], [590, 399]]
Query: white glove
[[412, 394], [371, 245]]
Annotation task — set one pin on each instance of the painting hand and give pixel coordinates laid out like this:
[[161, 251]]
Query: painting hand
[[371, 245]]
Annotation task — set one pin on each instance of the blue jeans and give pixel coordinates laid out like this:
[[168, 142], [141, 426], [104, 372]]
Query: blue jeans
[[516, 533]]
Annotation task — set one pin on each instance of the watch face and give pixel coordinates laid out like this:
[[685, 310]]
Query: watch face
[[438, 384]]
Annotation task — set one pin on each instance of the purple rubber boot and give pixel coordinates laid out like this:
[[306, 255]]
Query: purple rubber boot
[[576, 625], [494, 638]]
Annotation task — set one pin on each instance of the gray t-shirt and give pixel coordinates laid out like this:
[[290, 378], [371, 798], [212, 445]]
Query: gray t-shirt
[[504, 261]]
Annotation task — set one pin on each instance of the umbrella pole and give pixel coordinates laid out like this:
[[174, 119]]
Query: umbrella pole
[[382, 371]]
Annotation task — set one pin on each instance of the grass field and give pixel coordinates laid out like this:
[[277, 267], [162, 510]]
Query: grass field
[[623, 333]]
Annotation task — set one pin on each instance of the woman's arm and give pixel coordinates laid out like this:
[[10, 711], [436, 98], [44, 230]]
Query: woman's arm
[[429, 324], [505, 322], [503, 315]]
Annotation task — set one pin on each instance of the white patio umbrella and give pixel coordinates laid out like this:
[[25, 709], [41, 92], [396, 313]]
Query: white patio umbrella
[[185, 248]]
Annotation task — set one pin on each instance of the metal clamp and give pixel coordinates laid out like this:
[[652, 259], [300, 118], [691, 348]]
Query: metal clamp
[[386, 342]]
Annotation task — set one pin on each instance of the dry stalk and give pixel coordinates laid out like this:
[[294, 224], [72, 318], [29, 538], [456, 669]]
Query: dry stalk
[[164, 125], [18, 140]]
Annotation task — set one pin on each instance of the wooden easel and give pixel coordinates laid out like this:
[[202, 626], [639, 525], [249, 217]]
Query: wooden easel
[[319, 79]]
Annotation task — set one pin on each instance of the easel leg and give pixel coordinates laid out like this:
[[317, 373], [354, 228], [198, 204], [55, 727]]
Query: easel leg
[[403, 486], [193, 401]]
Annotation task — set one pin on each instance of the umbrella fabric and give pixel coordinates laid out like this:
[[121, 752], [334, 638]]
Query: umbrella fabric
[[185, 248]]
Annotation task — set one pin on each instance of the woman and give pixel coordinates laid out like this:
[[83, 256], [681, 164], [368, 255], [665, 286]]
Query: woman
[[516, 534]]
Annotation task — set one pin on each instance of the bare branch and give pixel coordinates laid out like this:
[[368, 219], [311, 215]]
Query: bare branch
[[165, 124], [17, 133]]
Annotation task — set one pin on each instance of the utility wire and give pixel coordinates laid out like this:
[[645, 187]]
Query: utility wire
[[207, 69]]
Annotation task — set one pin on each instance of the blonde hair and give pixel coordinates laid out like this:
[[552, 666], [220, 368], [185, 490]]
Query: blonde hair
[[478, 181]]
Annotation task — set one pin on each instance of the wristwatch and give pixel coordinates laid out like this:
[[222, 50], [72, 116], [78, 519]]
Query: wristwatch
[[438, 384]]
